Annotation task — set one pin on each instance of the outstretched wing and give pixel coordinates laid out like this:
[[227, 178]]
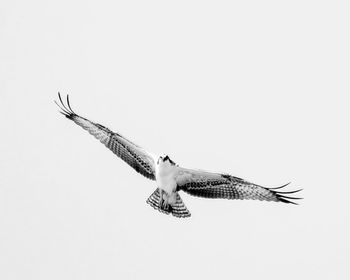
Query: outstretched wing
[[214, 185], [132, 154]]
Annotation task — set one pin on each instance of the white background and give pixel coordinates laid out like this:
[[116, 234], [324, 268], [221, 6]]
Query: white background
[[258, 89]]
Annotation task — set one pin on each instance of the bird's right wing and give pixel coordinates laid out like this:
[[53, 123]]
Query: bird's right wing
[[215, 185], [138, 158]]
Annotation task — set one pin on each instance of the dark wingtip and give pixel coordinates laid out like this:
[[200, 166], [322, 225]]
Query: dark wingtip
[[288, 197], [63, 111], [280, 187], [66, 110], [291, 191], [287, 201], [281, 195], [69, 104]]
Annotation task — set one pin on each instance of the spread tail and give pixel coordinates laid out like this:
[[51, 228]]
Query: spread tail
[[177, 209]]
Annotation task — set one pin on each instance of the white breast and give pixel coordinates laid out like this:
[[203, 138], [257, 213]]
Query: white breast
[[165, 176]]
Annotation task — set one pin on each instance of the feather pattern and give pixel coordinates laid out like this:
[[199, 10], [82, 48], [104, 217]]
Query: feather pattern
[[178, 210], [214, 185], [139, 159]]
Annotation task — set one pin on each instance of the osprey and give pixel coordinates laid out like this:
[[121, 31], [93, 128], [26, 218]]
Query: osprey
[[170, 177]]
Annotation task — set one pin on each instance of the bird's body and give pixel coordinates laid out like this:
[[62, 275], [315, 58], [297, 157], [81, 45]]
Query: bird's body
[[170, 177], [165, 175]]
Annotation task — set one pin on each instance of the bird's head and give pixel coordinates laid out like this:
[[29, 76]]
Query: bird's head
[[164, 159]]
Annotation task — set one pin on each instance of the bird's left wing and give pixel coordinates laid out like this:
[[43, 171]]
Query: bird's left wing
[[214, 185], [138, 158]]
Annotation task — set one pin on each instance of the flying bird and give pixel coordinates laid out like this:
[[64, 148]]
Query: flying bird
[[172, 178]]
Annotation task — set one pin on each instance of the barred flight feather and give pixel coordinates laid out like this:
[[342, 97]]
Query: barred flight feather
[[212, 185], [129, 152], [178, 210]]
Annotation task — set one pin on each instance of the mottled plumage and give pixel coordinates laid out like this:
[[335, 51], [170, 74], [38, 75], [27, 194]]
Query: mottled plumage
[[170, 177], [132, 154]]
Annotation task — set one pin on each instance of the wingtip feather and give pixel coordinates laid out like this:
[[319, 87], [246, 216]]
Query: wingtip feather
[[68, 103], [282, 197], [280, 187], [291, 191], [66, 109], [287, 201]]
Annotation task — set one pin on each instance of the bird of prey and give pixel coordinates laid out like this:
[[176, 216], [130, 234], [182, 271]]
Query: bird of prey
[[172, 178]]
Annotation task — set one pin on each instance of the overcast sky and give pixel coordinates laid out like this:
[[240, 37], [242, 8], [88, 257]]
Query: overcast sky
[[257, 89]]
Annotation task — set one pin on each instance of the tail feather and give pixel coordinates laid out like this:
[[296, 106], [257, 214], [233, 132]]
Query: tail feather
[[154, 200], [177, 210]]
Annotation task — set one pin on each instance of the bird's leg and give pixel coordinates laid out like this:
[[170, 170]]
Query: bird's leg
[[165, 204], [163, 200]]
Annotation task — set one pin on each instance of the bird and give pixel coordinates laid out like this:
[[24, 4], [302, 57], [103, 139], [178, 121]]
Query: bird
[[170, 177]]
